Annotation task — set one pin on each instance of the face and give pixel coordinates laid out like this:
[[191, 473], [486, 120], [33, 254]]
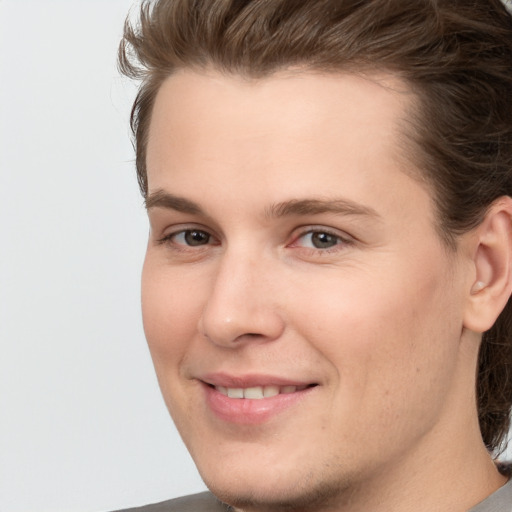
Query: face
[[302, 313]]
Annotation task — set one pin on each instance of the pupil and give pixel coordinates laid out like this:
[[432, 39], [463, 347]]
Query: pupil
[[323, 240], [197, 237]]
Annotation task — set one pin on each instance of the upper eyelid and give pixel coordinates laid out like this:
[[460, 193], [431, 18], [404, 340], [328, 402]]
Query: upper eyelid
[[305, 230], [186, 226]]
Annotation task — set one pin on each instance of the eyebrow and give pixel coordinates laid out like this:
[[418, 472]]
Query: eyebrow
[[317, 206], [162, 199], [300, 207]]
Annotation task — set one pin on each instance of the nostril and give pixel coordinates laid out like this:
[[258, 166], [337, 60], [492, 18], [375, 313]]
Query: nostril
[[249, 336]]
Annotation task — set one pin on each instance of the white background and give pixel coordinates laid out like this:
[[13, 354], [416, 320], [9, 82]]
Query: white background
[[82, 425]]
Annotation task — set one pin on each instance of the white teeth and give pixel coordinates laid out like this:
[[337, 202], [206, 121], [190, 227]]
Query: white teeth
[[258, 392], [269, 391], [235, 392], [254, 393]]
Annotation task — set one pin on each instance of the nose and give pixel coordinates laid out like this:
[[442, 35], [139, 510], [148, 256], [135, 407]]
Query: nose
[[241, 305]]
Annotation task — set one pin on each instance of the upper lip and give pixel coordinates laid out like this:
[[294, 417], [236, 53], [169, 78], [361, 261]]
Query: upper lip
[[250, 380]]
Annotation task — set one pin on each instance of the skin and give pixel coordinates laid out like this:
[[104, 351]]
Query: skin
[[376, 318]]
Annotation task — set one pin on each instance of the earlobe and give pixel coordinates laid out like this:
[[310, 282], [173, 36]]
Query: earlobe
[[492, 260]]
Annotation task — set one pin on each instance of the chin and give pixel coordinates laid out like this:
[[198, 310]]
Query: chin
[[270, 498], [258, 488]]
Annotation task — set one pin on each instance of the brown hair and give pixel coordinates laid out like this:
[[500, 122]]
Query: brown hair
[[456, 55]]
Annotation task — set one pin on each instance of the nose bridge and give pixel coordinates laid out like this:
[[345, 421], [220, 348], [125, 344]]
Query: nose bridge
[[240, 304]]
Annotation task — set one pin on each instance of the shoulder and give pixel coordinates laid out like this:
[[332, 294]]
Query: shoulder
[[203, 502]]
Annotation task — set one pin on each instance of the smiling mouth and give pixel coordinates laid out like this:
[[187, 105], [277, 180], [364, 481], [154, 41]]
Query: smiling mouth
[[241, 401], [259, 392]]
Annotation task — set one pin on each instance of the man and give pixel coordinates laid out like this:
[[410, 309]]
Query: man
[[326, 288]]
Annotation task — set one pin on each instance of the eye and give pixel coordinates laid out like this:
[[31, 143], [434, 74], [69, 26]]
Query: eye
[[322, 240], [318, 240], [189, 238]]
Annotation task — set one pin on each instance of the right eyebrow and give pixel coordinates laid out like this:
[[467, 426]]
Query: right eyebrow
[[162, 199]]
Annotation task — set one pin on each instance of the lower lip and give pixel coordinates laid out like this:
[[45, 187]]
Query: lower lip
[[244, 411]]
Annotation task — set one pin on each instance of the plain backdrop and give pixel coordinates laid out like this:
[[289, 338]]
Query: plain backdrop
[[82, 425]]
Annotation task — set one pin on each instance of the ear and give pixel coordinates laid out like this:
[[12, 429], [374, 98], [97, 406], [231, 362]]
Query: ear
[[492, 259]]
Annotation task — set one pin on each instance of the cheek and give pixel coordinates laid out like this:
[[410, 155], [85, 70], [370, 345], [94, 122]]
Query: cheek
[[392, 343], [171, 306], [170, 312]]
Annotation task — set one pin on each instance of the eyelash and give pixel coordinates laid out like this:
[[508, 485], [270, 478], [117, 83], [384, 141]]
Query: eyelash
[[341, 241]]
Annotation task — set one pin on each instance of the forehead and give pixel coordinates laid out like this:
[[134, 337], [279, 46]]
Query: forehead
[[211, 108], [278, 138]]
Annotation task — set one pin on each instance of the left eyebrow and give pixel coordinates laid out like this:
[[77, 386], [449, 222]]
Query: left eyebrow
[[317, 206]]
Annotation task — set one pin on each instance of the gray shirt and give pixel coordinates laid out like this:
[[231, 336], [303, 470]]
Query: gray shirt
[[500, 501]]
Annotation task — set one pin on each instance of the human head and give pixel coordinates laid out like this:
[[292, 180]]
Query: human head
[[455, 55]]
